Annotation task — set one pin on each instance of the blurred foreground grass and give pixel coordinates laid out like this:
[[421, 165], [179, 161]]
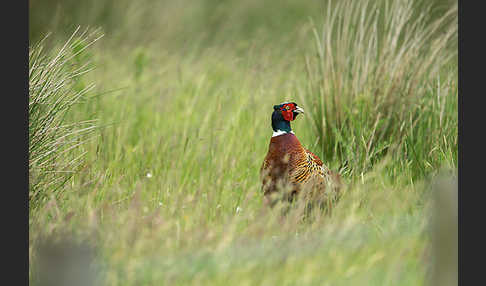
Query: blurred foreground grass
[[167, 191]]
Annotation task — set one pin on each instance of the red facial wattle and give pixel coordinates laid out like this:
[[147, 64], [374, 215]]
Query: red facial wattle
[[288, 115], [287, 112]]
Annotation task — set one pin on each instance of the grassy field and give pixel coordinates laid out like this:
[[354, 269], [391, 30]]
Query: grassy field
[[148, 130]]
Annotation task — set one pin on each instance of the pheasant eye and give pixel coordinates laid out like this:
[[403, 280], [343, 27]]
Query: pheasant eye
[[287, 107]]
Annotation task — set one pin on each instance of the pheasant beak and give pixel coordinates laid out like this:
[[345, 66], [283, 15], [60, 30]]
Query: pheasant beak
[[299, 110]]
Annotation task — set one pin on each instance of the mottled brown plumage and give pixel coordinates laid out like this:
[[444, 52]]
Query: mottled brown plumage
[[289, 168]]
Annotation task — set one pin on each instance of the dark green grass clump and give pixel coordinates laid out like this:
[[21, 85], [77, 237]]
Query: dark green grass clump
[[381, 80]]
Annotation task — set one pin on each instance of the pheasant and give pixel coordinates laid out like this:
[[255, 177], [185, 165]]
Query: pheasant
[[288, 167]]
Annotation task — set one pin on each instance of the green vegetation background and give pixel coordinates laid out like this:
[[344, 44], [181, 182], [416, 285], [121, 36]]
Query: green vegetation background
[[165, 186]]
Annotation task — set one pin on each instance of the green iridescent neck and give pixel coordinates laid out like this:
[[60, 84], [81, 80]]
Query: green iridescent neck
[[279, 123]]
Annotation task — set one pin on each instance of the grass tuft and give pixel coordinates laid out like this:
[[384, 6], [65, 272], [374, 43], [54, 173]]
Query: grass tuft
[[55, 86], [373, 78]]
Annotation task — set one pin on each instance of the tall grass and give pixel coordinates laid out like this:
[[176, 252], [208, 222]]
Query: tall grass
[[376, 69], [169, 193], [55, 86]]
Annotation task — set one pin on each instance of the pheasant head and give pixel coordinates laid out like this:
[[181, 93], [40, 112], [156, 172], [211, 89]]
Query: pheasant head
[[282, 115]]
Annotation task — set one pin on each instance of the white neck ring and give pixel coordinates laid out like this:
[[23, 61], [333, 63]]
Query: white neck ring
[[281, 132]]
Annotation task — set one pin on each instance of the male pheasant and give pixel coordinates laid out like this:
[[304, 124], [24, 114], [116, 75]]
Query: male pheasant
[[289, 168]]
